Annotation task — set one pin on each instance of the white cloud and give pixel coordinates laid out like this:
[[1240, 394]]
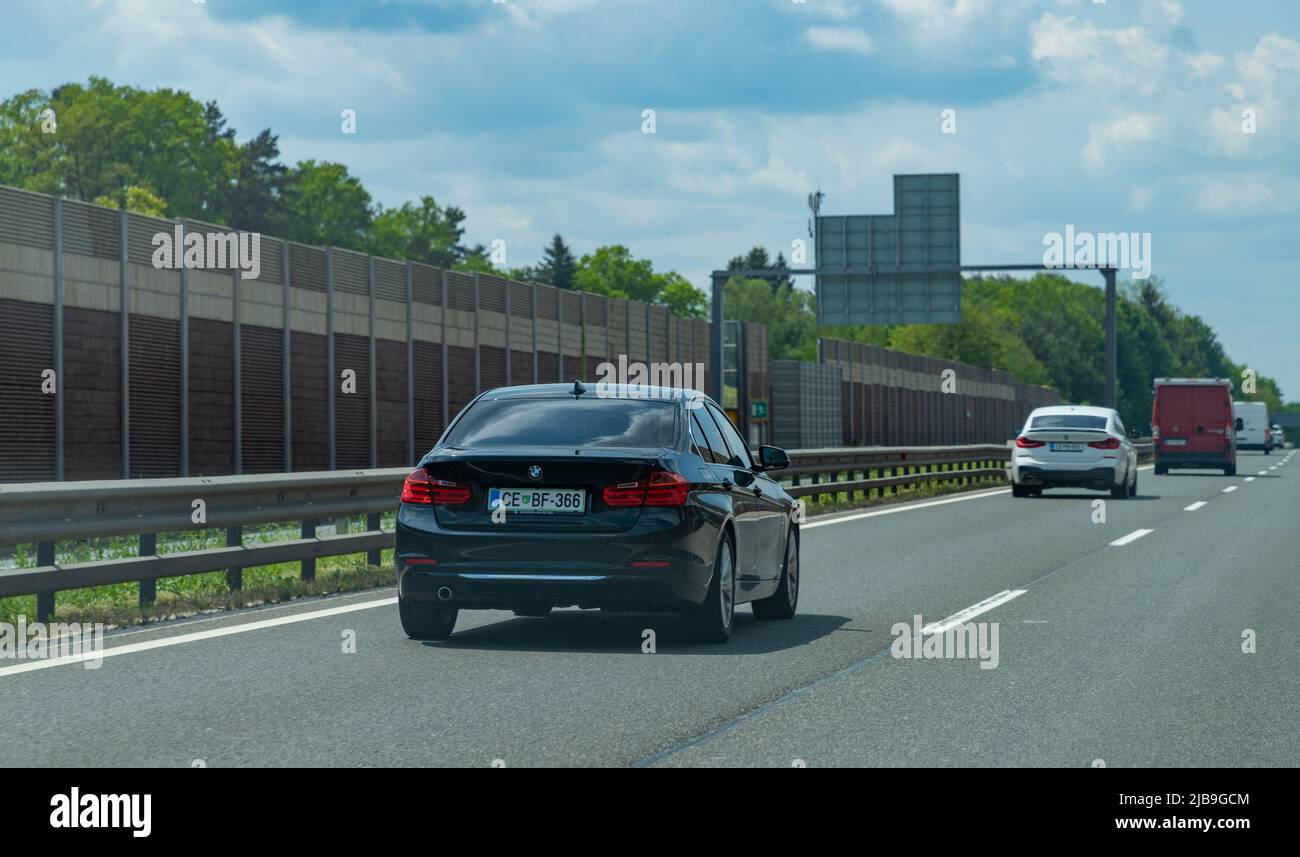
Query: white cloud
[[840, 39], [1077, 52], [1203, 64], [1251, 195], [1140, 199], [1106, 139], [836, 10], [1268, 85], [964, 24]]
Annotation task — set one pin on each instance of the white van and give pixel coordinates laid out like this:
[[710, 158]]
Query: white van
[[1252, 426]]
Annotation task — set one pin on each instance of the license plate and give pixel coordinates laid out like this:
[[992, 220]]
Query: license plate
[[538, 501], [1176, 441], [1067, 447]]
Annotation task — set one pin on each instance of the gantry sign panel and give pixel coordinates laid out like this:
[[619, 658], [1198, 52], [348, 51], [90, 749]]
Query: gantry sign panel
[[900, 268]]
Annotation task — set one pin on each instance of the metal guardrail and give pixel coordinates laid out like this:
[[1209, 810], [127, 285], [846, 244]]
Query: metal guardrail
[[45, 513], [835, 471], [847, 471]]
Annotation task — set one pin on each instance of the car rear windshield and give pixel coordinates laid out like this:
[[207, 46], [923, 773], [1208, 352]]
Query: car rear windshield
[[590, 422], [1068, 421]]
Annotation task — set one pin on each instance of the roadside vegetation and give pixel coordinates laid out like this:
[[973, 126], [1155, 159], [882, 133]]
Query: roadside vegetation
[[118, 604]]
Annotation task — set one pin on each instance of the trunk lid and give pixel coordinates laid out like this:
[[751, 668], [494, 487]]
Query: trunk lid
[[559, 473]]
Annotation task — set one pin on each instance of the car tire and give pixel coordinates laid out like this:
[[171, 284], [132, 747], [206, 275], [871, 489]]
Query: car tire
[[1019, 490], [1161, 469], [1119, 492], [1230, 470], [712, 621], [783, 603], [426, 621], [532, 612], [1133, 488]]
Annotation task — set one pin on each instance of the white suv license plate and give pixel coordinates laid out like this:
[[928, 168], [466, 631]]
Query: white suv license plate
[[1067, 447], [539, 501]]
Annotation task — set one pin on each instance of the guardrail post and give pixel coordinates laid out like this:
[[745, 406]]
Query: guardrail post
[[148, 588], [45, 600], [235, 574], [374, 557], [309, 564]]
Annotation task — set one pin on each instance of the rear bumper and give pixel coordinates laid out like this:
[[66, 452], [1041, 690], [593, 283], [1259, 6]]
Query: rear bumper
[[667, 589], [1203, 460], [503, 569], [1050, 477]]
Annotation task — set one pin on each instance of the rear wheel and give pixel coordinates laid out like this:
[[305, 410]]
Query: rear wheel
[[782, 603], [1230, 470], [711, 621], [1119, 492], [1133, 489], [426, 621], [1161, 469]]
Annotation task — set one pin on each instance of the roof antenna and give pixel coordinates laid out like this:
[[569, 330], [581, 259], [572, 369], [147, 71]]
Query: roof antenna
[[578, 388]]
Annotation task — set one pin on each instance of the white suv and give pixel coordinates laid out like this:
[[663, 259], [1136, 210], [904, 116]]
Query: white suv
[[1074, 446]]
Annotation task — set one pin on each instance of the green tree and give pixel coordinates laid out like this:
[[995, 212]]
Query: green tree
[[682, 298], [140, 200], [326, 206], [615, 272], [558, 267], [757, 258], [788, 315], [426, 232]]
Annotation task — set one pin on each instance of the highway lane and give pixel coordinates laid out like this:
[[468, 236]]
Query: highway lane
[[1116, 653]]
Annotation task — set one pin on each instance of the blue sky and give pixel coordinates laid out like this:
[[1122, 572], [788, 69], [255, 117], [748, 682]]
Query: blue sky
[[1115, 116]]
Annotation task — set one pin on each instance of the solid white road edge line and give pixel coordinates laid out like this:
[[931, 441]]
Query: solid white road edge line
[[961, 617], [1197, 505], [907, 508], [1131, 537], [211, 633]]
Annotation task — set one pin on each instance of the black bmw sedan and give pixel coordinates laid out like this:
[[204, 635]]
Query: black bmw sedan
[[633, 499]]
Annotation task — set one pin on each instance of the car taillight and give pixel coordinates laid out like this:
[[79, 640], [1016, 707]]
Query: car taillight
[[667, 489], [627, 494], [1155, 432], [1108, 443], [662, 489], [1026, 443], [420, 488]]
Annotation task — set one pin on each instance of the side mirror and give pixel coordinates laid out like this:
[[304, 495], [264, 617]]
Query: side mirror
[[1135, 433], [773, 458], [1241, 424]]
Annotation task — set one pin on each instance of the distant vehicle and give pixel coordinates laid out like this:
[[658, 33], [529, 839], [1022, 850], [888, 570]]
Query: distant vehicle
[[1252, 426], [1192, 425], [633, 499], [1279, 439], [1074, 446]]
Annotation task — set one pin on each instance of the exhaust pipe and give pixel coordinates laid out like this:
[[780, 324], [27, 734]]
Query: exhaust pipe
[[444, 593]]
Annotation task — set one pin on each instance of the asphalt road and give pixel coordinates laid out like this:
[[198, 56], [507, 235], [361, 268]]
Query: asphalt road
[[1130, 654]]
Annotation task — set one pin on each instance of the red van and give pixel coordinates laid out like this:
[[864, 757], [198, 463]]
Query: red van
[[1192, 424]]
